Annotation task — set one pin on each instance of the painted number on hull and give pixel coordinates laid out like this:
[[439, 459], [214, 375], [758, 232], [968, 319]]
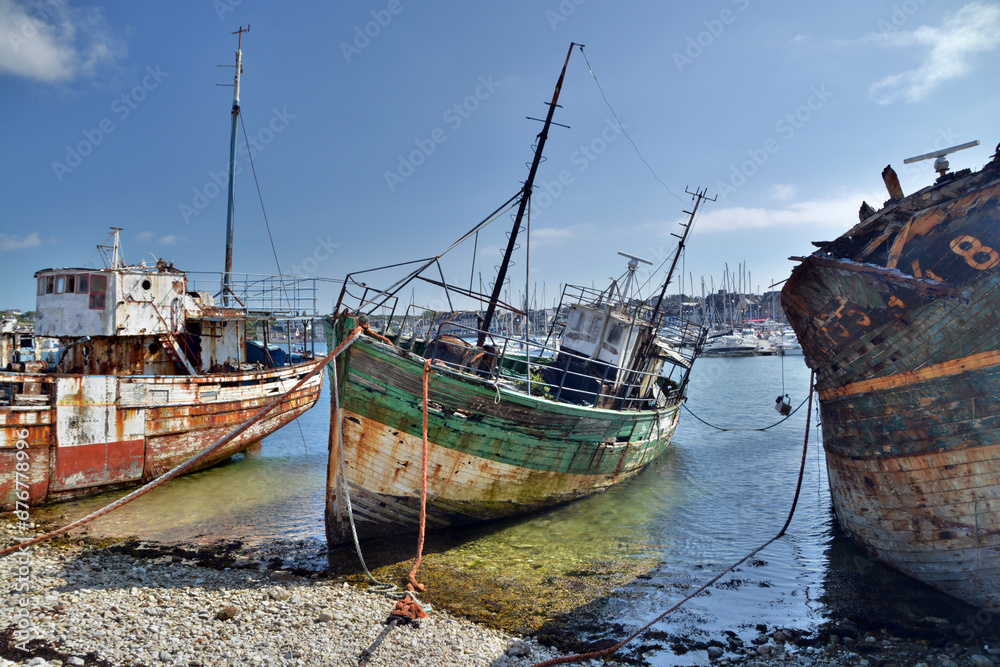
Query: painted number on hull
[[922, 274], [976, 255]]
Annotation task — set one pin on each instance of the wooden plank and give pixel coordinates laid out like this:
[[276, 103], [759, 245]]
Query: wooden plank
[[978, 361]]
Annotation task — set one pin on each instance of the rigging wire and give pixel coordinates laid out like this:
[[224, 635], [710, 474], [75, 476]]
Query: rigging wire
[[260, 196], [622, 126]]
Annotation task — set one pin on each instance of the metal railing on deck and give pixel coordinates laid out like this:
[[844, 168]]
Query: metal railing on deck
[[538, 368], [544, 370], [262, 296]]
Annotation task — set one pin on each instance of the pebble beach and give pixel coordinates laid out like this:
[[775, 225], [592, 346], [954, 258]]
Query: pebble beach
[[126, 605], [99, 606]]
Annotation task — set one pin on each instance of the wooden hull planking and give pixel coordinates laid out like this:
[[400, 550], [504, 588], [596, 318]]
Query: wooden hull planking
[[490, 454], [904, 338]]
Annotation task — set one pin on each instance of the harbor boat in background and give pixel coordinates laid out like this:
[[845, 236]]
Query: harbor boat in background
[[898, 317], [506, 433], [152, 371], [787, 343], [732, 344]]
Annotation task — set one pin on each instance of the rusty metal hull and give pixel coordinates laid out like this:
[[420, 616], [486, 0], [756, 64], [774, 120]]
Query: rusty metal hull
[[82, 435], [492, 452], [899, 320]]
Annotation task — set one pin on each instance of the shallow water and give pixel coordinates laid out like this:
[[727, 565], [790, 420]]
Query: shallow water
[[711, 499]]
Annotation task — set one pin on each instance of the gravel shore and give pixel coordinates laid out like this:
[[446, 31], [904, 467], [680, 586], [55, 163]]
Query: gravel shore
[[93, 606], [135, 604]]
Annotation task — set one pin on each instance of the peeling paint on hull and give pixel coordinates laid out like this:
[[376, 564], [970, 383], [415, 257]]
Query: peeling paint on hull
[[899, 320], [83, 441], [487, 459]]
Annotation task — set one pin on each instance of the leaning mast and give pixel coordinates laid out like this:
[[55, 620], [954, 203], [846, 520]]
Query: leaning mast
[[525, 196]]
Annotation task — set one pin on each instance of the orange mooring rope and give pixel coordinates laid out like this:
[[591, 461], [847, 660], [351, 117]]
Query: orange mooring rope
[[190, 463], [375, 334], [423, 488], [409, 606], [611, 649]]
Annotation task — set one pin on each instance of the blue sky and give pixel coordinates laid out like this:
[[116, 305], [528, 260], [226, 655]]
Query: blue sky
[[383, 130]]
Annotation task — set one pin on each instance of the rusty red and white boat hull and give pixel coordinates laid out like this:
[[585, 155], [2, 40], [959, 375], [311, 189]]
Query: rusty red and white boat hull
[[87, 434]]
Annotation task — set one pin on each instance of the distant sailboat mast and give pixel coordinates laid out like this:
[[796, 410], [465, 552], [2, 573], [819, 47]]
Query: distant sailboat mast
[[227, 275]]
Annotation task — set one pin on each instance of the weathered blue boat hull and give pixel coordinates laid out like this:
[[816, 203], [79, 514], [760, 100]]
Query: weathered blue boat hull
[[899, 319]]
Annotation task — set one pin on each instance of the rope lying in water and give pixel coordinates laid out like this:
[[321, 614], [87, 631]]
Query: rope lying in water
[[721, 428], [187, 465], [798, 488]]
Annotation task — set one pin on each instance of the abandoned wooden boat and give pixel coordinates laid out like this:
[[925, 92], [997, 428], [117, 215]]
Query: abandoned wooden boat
[[899, 319], [506, 433], [151, 372]]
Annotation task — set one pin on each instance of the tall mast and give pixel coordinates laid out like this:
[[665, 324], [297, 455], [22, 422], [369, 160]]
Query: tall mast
[[525, 195], [640, 359], [697, 195], [227, 275]]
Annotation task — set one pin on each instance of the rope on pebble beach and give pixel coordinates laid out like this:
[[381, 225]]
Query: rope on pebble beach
[[611, 649], [407, 602], [414, 584], [191, 462]]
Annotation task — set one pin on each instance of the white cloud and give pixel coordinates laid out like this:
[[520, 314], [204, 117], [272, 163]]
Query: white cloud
[[782, 192], [950, 49], [552, 236], [148, 237], [53, 42], [15, 242], [839, 213]]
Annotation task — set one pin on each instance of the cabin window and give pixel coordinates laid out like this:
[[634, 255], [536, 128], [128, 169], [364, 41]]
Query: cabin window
[[41, 286], [70, 284], [98, 287], [60, 284], [575, 320], [50, 284], [83, 283], [595, 326], [616, 332]]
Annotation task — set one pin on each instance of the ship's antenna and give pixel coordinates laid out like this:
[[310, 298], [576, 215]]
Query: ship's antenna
[[698, 196], [941, 163], [633, 264], [231, 214], [117, 258]]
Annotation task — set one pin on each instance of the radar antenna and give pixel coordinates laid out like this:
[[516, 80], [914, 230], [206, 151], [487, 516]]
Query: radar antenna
[[633, 264], [941, 163]]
